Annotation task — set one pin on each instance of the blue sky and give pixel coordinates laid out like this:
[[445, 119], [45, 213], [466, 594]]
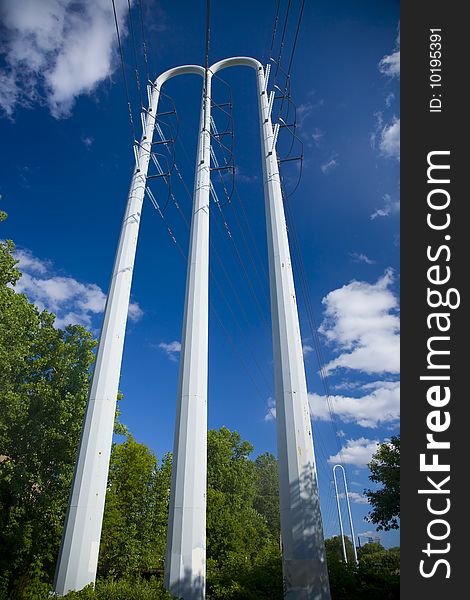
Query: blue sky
[[66, 152]]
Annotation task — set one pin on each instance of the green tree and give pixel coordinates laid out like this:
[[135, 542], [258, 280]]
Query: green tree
[[43, 394], [243, 556], [385, 470], [266, 500], [376, 577], [369, 548], [136, 511], [334, 549], [379, 574]]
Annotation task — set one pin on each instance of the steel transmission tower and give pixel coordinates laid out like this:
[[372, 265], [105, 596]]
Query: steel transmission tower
[[185, 563], [304, 564], [78, 555]]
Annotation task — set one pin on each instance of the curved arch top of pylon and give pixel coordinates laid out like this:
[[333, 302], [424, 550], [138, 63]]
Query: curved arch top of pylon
[[175, 71], [225, 63], [235, 61]]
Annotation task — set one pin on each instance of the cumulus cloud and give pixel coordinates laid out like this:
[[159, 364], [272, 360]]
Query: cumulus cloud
[[356, 452], [73, 302], [389, 65], [378, 407], [56, 50], [171, 349], [389, 143], [386, 137], [362, 325], [355, 497]]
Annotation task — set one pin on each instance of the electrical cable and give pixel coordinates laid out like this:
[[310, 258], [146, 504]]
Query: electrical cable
[[124, 73], [144, 43], [136, 62], [281, 47]]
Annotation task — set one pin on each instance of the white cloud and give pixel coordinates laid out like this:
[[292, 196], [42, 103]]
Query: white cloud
[[356, 452], [378, 407], [271, 412], [389, 143], [87, 140], [56, 50], [306, 349], [305, 110], [361, 323], [375, 385], [389, 207], [355, 497], [317, 135], [386, 137], [330, 164], [171, 349], [347, 385], [389, 99], [362, 258], [28, 262], [369, 534], [244, 177], [389, 65], [72, 301]]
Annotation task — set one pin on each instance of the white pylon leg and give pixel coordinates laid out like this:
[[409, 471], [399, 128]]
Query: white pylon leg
[[340, 518], [78, 556], [304, 564], [185, 564], [348, 505]]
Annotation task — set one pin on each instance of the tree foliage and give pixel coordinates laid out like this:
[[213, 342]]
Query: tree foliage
[[44, 383], [334, 549], [43, 393], [243, 556], [385, 470], [136, 511], [376, 577]]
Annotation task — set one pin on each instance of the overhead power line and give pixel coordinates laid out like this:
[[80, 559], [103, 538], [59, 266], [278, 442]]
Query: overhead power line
[[126, 86]]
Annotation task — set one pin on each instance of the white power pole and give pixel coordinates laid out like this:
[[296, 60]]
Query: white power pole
[[78, 556], [185, 564], [304, 563], [341, 530]]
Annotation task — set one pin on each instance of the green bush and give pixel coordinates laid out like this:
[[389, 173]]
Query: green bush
[[124, 589], [377, 577]]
